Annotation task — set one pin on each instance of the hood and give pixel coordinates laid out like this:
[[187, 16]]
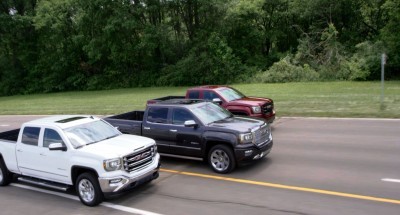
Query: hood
[[238, 124], [250, 101], [118, 146]]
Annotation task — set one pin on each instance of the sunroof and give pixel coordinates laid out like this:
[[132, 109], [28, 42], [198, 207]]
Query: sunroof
[[70, 119]]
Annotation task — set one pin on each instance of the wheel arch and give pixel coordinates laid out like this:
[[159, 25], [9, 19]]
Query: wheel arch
[[78, 170]]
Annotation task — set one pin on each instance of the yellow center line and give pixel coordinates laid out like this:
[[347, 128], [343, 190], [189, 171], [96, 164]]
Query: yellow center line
[[281, 186]]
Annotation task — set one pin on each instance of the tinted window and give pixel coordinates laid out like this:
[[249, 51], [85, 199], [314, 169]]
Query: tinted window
[[179, 116], [30, 136], [158, 115], [209, 95], [51, 136], [194, 94]]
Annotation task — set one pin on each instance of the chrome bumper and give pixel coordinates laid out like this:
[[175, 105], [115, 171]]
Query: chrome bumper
[[120, 183]]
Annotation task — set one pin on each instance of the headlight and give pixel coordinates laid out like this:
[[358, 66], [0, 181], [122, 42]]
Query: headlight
[[246, 138], [155, 148], [112, 164], [256, 109]]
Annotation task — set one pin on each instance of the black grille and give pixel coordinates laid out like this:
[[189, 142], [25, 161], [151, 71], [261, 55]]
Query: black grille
[[267, 108], [139, 159]]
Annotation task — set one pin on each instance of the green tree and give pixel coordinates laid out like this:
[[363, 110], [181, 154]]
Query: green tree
[[390, 36], [17, 45]]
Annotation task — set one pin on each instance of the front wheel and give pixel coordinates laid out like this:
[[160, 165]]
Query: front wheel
[[5, 175], [221, 159], [88, 189]]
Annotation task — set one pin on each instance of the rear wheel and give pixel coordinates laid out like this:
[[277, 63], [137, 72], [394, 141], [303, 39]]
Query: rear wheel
[[5, 175], [88, 189], [221, 159]]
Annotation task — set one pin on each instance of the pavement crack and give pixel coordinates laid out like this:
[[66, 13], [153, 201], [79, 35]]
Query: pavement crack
[[228, 202]]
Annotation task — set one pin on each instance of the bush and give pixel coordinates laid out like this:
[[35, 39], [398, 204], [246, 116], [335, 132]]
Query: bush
[[285, 71]]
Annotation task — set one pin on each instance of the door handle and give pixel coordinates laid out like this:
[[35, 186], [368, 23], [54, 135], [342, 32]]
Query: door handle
[[146, 128], [173, 130], [19, 150], [42, 154]]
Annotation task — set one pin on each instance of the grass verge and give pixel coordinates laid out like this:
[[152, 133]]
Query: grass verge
[[318, 99]]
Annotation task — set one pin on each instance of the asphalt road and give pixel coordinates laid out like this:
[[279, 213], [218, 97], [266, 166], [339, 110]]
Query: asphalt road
[[317, 166]]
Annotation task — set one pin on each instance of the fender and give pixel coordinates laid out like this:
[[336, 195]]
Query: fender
[[76, 170], [239, 109], [221, 137]]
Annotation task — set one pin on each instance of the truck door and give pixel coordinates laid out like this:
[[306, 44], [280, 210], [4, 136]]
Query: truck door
[[28, 154], [185, 140], [156, 126], [210, 95], [53, 164]]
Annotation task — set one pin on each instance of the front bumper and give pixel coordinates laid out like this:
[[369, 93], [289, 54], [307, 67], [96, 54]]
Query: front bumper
[[116, 185], [269, 118], [252, 152]]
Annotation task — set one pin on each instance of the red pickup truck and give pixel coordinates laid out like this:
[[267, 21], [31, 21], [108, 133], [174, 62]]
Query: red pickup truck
[[231, 99]]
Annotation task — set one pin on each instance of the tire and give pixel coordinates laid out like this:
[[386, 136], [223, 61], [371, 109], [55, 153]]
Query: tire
[[88, 189], [5, 175], [221, 159]]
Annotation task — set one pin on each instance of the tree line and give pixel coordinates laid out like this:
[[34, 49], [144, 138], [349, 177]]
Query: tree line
[[65, 45]]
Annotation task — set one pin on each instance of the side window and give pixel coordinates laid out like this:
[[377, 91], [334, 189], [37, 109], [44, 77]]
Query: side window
[[179, 116], [30, 136], [194, 94], [209, 95], [51, 136], [158, 115]]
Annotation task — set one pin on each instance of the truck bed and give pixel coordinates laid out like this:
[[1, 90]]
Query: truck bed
[[128, 123], [11, 135], [133, 115]]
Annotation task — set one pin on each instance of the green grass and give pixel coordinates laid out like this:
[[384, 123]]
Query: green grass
[[328, 99]]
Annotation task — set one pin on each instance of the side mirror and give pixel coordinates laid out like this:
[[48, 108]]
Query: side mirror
[[57, 147], [190, 123], [217, 100]]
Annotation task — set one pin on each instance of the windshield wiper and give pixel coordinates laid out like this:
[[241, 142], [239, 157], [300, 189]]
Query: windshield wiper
[[111, 137]]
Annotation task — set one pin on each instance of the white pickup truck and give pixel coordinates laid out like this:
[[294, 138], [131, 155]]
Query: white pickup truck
[[84, 152]]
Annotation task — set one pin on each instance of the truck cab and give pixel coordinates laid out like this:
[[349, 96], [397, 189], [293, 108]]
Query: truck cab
[[235, 101]]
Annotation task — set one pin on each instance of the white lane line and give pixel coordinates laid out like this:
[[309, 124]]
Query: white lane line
[[391, 180], [3, 125], [105, 204]]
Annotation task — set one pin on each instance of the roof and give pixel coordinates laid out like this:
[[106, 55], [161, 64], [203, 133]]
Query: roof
[[208, 87], [179, 102], [62, 121]]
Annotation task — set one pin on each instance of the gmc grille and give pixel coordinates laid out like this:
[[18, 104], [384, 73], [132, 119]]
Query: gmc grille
[[139, 159], [261, 136], [267, 108]]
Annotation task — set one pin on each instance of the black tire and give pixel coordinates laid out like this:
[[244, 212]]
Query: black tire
[[221, 159], [5, 175], [88, 189]]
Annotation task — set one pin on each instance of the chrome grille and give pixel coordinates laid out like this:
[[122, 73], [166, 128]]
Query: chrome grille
[[139, 159], [261, 135]]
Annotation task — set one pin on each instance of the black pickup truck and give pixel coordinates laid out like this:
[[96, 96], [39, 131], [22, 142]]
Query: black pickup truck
[[199, 130]]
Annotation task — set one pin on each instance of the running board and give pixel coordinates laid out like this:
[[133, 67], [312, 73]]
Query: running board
[[43, 183], [181, 156]]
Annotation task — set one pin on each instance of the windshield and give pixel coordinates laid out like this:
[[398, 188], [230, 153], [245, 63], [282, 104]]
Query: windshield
[[209, 112], [230, 94], [89, 133]]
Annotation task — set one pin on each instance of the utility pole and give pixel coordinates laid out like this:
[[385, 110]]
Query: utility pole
[[383, 62]]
